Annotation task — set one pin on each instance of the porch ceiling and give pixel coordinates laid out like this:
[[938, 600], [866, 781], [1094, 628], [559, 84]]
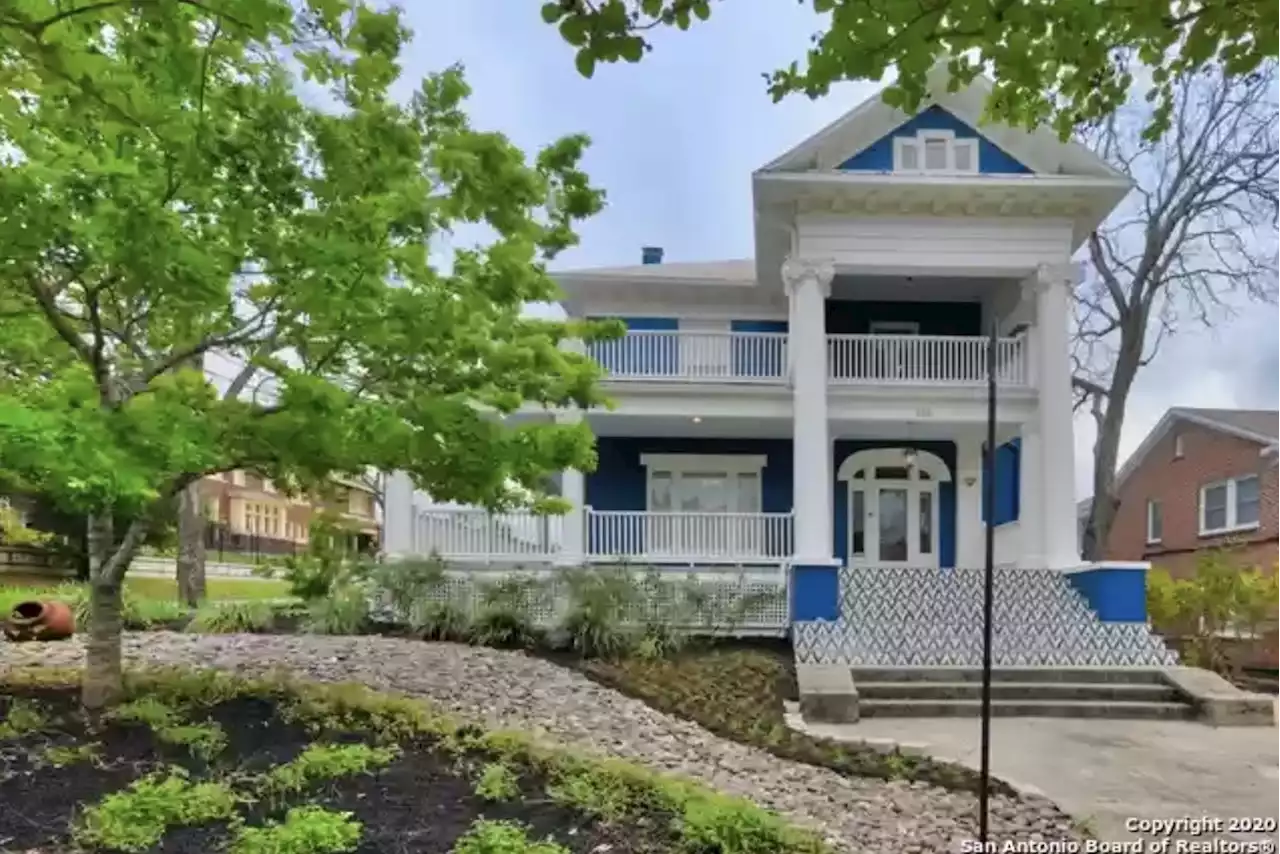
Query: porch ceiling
[[685, 426], [918, 288]]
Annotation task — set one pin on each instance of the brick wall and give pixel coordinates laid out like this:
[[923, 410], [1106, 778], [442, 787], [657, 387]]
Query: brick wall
[[1207, 456]]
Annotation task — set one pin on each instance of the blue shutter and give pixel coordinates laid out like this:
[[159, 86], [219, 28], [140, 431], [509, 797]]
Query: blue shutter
[[1008, 475]]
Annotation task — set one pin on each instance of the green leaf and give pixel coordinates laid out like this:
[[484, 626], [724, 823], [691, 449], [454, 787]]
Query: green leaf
[[552, 12], [632, 49], [586, 63]]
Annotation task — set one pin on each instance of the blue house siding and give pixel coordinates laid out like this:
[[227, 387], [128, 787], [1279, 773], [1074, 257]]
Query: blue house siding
[[854, 317], [878, 157], [1008, 477], [655, 355], [619, 481], [946, 451], [756, 358]]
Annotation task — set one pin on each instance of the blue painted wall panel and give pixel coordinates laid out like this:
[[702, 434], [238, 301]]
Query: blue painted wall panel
[[815, 593], [1116, 594], [1008, 483], [618, 483], [946, 451], [759, 357], [878, 157]]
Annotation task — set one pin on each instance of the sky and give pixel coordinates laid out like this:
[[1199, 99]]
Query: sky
[[676, 137]]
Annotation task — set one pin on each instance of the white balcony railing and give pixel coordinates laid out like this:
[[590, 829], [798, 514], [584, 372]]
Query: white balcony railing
[[759, 357], [707, 536], [923, 359], [472, 533]]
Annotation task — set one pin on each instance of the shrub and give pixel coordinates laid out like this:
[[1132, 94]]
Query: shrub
[[408, 585], [345, 611], [326, 762], [497, 783], [305, 830], [601, 603], [1215, 609], [136, 819], [224, 618], [444, 621], [505, 619]]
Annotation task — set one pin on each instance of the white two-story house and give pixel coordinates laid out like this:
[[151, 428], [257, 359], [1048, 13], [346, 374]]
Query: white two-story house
[[819, 410]]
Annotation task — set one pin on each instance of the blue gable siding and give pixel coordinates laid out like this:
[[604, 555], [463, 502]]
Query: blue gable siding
[[1008, 477], [878, 157], [618, 482], [757, 358], [946, 451]]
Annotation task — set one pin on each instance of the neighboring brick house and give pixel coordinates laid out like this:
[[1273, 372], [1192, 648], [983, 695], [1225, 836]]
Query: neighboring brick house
[[251, 515], [1202, 479]]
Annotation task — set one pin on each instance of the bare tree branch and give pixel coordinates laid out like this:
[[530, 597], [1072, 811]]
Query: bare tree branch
[[1195, 238]]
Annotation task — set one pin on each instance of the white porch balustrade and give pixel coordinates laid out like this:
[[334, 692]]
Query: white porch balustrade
[[759, 357], [462, 533], [923, 359], [762, 357]]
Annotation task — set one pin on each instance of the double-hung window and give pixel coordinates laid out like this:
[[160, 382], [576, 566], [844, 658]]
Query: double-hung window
[[1155, 523], [1229, 505], [935, 151], [703, 505]]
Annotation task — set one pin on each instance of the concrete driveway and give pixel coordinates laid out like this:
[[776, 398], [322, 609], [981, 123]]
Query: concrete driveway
[[1106, 773]]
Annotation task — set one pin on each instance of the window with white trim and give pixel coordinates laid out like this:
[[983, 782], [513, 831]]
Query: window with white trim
[[699, 503], [1155, 523], [935, 151], [1229, 505], [1177, 447]]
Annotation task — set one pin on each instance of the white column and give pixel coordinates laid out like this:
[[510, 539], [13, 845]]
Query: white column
[[1031, 498], [808, 284], [1057, 434], [573, 489], [970, 533], [398, 515]]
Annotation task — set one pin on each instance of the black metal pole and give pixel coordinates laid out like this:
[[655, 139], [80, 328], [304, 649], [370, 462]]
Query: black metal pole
[[988, 586]]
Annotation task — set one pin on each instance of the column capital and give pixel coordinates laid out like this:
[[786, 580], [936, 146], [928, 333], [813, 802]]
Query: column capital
[[1047, 276], [796, 270]]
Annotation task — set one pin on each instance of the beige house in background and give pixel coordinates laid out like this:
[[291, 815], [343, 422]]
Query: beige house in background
[[252, 515]]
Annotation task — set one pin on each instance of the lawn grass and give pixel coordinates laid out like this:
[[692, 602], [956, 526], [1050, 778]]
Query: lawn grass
[[18, 586], [205, 762]]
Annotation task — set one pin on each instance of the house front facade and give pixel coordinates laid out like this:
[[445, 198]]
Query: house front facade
[[817, 414], [1203, 480]]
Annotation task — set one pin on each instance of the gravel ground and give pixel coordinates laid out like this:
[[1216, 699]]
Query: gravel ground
[[515, 690]]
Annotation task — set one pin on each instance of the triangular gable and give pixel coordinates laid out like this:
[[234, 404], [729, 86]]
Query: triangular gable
[[868, 124], [878, 156]]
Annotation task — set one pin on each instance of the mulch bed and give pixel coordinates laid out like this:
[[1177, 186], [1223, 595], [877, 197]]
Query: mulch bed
[[737, 690], [422, 802]]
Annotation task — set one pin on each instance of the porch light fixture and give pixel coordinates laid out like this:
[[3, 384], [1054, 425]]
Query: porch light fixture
[[697, 419]]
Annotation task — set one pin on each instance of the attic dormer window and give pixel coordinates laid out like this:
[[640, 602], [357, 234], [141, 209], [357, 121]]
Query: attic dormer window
[[935, 151]]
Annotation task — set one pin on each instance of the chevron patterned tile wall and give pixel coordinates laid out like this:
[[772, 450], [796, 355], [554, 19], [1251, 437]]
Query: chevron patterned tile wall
[[906, 617]]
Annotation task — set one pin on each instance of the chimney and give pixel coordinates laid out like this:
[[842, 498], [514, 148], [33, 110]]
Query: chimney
[[651, 255]]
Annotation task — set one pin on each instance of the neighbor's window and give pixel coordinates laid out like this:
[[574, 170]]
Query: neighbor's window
[[1177, 447], [1155, 522], [935, 151], [1229, 505]]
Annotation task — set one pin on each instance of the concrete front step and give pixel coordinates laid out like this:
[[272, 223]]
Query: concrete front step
[[1024, 675], [1114, 709], [1070, 692]]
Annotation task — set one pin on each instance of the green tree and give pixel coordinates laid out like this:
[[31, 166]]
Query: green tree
[[1056, 62], [192, 177]]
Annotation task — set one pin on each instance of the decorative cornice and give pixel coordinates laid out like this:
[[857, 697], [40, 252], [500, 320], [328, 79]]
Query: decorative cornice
[[796, 270]]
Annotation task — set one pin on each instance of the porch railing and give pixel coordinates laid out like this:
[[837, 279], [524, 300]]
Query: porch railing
[[471, 532], [923, 359], [706, 536], [693, 356], [474, 533]]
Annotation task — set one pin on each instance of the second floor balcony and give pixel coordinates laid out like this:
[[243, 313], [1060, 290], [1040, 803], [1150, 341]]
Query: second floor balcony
[[762, 358]]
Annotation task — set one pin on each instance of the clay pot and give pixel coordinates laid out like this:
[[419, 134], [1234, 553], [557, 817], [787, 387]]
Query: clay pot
[[45, 621]]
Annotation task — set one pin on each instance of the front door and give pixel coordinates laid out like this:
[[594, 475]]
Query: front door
[[893, 521]]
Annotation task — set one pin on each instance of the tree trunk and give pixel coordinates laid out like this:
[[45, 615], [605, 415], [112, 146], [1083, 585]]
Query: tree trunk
[[191, 552], [103, 681], [1106, 450]]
